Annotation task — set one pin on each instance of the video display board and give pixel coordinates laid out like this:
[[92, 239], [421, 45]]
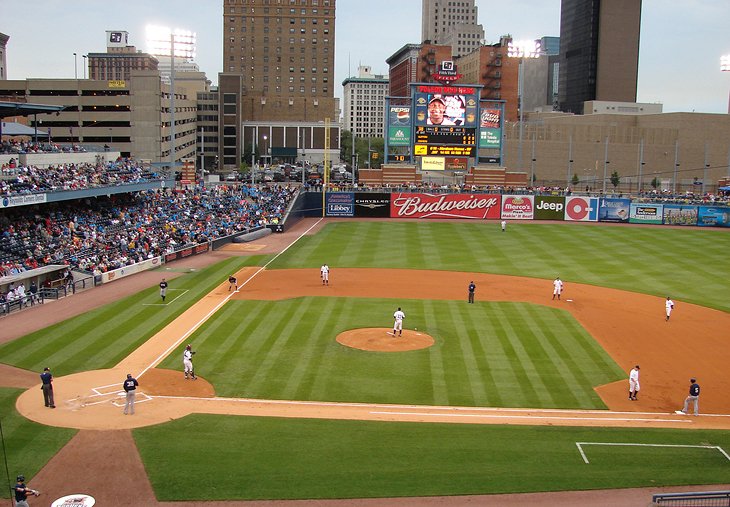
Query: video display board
[[445, 121]]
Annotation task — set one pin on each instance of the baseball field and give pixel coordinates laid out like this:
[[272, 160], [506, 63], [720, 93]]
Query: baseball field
[[303, 394]]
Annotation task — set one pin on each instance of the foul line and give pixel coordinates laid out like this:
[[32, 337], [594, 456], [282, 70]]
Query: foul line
[[200, 322], [585, 458], [559, 418]]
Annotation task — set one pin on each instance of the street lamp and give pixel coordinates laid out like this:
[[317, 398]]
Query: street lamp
[[522, 49], [370, 135], [85, 64], [725, 67], [266, 151], [76, 68]]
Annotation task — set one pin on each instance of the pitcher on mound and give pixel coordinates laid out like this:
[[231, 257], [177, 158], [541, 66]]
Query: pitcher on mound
[[398, 324]]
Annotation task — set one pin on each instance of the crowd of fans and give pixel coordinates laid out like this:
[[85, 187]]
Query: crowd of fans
[[106, 233], [30, 180], [25, 147]]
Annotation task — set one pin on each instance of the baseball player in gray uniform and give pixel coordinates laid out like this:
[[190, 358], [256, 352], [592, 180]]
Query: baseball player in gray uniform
[[398, 324]]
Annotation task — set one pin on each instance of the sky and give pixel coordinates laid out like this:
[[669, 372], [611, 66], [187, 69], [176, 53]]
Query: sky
[[679, 60]]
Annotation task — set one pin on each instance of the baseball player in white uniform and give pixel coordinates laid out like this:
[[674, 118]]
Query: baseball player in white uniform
[[634, 383], [324, 273], [503, 223], [188, 363], [398, 324], [669, 306], [557, 287]]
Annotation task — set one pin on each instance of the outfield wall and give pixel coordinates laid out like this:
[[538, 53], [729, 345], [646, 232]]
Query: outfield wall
[[485, 206]]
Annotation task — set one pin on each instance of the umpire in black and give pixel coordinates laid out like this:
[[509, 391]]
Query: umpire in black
[[47, 388]]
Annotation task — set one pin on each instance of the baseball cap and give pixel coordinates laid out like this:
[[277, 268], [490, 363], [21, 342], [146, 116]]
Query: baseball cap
[[437, 98]]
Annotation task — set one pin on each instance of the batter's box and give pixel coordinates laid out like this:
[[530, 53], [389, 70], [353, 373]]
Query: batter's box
[[139, 397]]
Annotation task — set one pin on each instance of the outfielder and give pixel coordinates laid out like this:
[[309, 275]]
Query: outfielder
[[634, 383], [188, 363], [669, 306], [22, 491], [557, 287], [324, 273], [398, 324]]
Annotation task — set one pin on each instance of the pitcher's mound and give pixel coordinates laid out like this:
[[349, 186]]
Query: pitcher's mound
[[381, 339]]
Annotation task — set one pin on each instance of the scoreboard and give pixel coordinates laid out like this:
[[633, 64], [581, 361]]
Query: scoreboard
[[445, 141]]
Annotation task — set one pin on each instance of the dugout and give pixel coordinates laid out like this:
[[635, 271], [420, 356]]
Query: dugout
[[43, 277]]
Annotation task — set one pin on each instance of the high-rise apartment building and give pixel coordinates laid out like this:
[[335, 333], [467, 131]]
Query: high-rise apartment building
[[599, 51], [451, 23], [364, 101], [285, 52]]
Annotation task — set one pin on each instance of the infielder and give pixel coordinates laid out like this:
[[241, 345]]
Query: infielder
[[232, 283], [398, 324], [163, 289], [634, 383], [669, 306], [188, 363], [694, 397], [130, 386], [557, 287], [324, 273]]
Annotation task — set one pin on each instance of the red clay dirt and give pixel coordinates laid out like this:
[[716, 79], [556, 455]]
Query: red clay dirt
[[629, 326]]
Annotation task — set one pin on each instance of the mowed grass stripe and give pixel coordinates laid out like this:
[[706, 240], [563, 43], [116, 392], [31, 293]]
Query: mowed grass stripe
[[463, 329], [437, 366]]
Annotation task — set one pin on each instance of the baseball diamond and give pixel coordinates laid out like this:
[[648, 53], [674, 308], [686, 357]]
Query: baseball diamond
[[274, 350]]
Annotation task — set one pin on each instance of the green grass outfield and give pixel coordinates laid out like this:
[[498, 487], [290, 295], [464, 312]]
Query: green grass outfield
[[511, 354]]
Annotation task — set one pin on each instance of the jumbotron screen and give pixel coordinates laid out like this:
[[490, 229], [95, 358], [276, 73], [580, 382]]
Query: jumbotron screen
[[445, 120]]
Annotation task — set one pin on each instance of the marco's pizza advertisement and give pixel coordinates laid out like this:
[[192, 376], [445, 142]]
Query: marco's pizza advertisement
[[518, 207]]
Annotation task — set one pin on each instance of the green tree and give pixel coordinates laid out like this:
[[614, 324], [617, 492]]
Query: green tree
[[654, 183], [615, 179], [575, 180]]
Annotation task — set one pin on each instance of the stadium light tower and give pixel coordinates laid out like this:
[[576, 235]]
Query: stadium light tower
[[725, 67], [522, 49], [178, 44]]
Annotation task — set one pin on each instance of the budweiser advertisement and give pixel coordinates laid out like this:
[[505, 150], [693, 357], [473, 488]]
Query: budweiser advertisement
[[474, 206], [518, 207]]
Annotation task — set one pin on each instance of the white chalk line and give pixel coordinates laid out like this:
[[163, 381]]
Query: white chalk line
[[631, 444]]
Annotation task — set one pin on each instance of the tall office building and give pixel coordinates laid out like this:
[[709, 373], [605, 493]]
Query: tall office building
[[599, 51], [285, 52], [364, 101], [3, 60], [451, 23], [119, 60]]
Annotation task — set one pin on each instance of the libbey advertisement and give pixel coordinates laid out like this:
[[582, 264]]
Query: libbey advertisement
[[477, 206]]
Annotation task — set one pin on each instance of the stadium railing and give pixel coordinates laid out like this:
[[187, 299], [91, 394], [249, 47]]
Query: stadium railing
[[693, 499]]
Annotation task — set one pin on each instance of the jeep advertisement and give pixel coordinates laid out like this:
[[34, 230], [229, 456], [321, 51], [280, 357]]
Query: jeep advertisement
[[549, 207]]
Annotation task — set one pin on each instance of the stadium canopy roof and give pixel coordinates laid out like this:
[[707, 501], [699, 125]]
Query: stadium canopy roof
[[11, 128], [25, 109]]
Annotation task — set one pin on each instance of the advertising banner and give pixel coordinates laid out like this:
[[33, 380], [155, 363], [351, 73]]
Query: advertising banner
[[399, 136], [518, 207], [614, 210], [548, 207], [490, 132], [478, 206], [340, 204], [581, 209], [710, 216], [372, 204], [433, 163], [23, 200], [145, 265], [646, 213], [675, 214], [399, 116]]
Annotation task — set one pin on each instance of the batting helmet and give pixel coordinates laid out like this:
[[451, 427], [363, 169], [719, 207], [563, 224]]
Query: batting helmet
[[21, 478]]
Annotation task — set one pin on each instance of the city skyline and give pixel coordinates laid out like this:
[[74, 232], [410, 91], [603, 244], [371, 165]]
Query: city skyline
[[672, 69]]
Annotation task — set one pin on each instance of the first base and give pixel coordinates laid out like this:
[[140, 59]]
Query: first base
[[569, 300], [679, 412]]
